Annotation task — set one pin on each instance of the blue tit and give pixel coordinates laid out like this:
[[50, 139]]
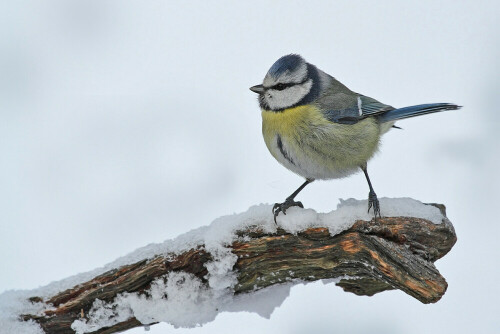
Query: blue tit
[[320, 129]]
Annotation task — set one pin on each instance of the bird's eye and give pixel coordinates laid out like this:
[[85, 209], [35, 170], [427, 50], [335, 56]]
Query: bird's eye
[[280, 86]]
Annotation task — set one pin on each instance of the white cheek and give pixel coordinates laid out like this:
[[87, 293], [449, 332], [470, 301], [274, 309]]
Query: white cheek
[[288, 97]]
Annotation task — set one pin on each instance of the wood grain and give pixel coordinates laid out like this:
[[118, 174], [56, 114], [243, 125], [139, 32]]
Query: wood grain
[[368, 258]]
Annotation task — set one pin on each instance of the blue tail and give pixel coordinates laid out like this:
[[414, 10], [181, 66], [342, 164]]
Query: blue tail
[[421, 109]]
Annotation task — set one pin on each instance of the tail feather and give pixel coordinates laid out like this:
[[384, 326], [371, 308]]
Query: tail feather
[[421, 109]]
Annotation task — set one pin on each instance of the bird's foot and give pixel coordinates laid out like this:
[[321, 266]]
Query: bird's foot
[[282, 207], [373, 202]]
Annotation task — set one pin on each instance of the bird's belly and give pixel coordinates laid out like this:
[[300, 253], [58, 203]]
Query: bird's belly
[[318, 149]]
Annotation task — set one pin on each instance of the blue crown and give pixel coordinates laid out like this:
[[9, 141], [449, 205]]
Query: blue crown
[[286, 63]]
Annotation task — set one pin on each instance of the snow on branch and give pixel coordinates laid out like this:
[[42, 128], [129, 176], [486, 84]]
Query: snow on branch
[[245, 262]]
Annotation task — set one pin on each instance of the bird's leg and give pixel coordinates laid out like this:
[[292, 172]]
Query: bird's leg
[[372, 197], [289, 201]]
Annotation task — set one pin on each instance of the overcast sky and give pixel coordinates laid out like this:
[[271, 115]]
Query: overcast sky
[[125, 123]]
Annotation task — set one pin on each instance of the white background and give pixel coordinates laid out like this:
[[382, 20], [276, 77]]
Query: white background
[[124, 123]]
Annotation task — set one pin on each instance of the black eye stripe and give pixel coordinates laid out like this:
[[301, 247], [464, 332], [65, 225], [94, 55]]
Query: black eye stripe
[[282, 86]]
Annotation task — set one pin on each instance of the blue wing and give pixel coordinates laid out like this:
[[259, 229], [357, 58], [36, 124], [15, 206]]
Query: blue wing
[[368, 107], [372, 107], [350, 109], [341, 105]]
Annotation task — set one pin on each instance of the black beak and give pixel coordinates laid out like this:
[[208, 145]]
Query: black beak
[[259, 89]]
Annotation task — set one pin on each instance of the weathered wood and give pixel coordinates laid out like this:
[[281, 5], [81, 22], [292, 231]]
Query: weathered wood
[[370, 257]]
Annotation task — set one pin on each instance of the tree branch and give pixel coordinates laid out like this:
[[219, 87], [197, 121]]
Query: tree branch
[[368, 258]]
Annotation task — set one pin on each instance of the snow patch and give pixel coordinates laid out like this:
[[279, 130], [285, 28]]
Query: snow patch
[[350, 210], [180, 298], [15, 303]]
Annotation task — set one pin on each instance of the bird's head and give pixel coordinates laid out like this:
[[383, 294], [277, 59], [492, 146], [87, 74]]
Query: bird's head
[[290, 82]]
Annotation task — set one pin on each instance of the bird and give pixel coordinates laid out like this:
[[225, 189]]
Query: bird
[[318, 128]]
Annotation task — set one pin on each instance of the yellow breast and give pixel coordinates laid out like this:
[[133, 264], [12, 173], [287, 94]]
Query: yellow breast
[[307, 143], [291, 121]]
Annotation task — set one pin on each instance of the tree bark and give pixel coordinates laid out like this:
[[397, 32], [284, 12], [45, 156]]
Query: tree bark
[[368, 258]]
